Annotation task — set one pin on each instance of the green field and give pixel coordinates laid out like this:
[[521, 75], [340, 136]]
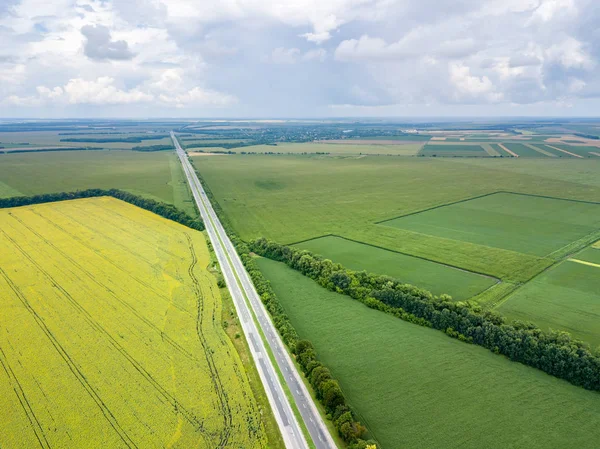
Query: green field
[[567, 297], [408, 149], [156, 175], [417, 388], [528, 224], [38, 139], [296, 198], [437, 278], [458, 150], [523, 150]]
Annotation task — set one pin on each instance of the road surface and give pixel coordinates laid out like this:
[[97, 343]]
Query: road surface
[[248, 305]]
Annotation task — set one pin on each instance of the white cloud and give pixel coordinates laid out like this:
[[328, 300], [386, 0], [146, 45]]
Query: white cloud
[[100, 91], [570, 54], [217, 53], [470, 86], [282, 55], [318, 54], [199, 97]]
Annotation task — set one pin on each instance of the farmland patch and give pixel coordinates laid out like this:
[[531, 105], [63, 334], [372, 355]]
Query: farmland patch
[[523, 223], [403, 379], [426, 274], [453, 150], [567, 297]]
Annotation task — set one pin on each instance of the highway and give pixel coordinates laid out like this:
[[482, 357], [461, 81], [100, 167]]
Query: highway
[[251, 311]]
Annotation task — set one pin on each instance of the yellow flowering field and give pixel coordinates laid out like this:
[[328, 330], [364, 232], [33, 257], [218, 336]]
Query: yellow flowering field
[[111, 334]]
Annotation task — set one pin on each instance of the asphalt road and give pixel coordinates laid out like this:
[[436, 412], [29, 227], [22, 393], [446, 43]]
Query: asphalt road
[[241, 288]]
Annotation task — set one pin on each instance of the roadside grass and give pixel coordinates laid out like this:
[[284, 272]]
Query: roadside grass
[[566, 297], [416, 387], [528, 224], [435, 277], [156, 175], [108, 332]]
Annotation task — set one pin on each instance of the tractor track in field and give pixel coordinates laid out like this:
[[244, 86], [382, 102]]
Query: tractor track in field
[[128, 306], [38, 429], [215, 377], [110, 211], [122, 231], [71, 364], [177, 406], [99, 254]]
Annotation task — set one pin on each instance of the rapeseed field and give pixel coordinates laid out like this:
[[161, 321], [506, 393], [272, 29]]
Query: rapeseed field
[[111, 334]]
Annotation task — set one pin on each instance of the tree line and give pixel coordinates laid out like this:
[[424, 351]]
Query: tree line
[[130, 139], [326, 388], [163, 209], [150, 148], [554, 352]]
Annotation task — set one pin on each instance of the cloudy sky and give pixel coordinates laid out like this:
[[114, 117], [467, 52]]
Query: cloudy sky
[[299, 58]]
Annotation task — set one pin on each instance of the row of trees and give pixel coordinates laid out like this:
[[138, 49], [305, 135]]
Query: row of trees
[[326, 388], [129, 139], [154, 147], [163, 209], [554, 352]]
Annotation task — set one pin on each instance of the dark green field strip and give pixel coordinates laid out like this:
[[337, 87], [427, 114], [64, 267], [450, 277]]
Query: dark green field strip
[[432, 276], [417, 388], [500, 150], [522, 150], [589, 255], [522, 223], [579, 150], [567, 297], [442, 150]]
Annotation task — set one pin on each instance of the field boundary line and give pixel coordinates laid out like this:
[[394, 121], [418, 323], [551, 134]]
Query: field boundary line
[[483, 196], [565, 151], [498, 280], [464, 200], [594, 153], [513, 154], [552, 197], [539, 150]]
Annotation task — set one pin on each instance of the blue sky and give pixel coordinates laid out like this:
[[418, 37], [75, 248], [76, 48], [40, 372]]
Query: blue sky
[[299, 58]]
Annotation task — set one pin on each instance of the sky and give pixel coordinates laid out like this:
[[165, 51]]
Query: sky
[[299, 58]]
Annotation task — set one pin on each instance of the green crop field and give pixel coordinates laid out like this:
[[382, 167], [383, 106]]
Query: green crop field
[[108, 334], [528, 224], [338, 148], [156, 175], [417, 388], [38, 139], [432, 276], [453, 150], [522, 150], [567, 297], [296, 198]]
